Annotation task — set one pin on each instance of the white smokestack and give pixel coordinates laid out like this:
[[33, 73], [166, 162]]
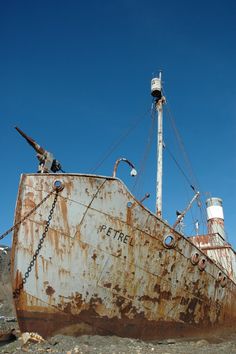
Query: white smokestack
[[215, 217]]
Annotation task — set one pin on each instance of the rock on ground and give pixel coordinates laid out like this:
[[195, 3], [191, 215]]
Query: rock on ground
[[116, 345], [6, 302]]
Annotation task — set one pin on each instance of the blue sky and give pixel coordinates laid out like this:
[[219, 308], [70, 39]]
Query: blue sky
[[75, 76]]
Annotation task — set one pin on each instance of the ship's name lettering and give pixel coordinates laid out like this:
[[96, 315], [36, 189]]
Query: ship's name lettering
[[116, 234]]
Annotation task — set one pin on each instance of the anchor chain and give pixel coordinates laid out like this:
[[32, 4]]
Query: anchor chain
[[17, 291], [26, 216]]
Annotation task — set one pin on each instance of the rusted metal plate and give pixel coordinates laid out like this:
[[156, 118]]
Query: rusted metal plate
[[216, 248], [104, 267]]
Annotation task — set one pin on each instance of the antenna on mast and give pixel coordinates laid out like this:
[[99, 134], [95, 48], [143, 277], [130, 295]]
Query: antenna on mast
[[156, 92]]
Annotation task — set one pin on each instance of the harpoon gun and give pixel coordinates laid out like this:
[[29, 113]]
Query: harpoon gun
[[47, 163]]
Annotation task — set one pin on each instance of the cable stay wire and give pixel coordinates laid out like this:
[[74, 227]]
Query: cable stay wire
[[185, 176], [179, 167], [192, 180], [117, 143], [200, 204], [170, 116], [137, 184]]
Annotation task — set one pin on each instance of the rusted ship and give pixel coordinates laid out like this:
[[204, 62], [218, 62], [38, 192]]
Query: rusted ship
[[89, 258]]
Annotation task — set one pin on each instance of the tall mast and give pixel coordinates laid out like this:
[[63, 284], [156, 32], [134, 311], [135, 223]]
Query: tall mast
[[159, 101], [159, 156]]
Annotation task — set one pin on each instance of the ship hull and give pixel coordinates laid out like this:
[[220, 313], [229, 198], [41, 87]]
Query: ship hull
[[105, 266], [89, 323]]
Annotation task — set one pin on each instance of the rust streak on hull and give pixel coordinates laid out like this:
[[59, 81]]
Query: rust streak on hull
[[90, 323]]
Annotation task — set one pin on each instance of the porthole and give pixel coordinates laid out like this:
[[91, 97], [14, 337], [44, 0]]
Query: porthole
[[129, 204], [58, 186], [223, 281], [195, 258], [202, 263], [169, 241]]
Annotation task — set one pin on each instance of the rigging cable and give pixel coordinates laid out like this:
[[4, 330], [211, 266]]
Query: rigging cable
[[181, 144], [185, 176], [115, 145], [146, 153], [187, 161], [179, 167]]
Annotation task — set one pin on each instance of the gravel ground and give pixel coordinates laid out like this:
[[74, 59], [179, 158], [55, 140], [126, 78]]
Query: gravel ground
[[6, 303], [113, 344]]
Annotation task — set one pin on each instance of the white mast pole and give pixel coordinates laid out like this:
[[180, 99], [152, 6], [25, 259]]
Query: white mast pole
[[159, 109], [156, 92]]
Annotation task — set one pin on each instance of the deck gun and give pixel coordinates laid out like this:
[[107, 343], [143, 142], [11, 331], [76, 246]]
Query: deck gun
[[47, 163]]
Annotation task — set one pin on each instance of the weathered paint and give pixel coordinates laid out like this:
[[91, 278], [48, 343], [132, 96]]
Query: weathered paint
[[104, 268], [216, 248]]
